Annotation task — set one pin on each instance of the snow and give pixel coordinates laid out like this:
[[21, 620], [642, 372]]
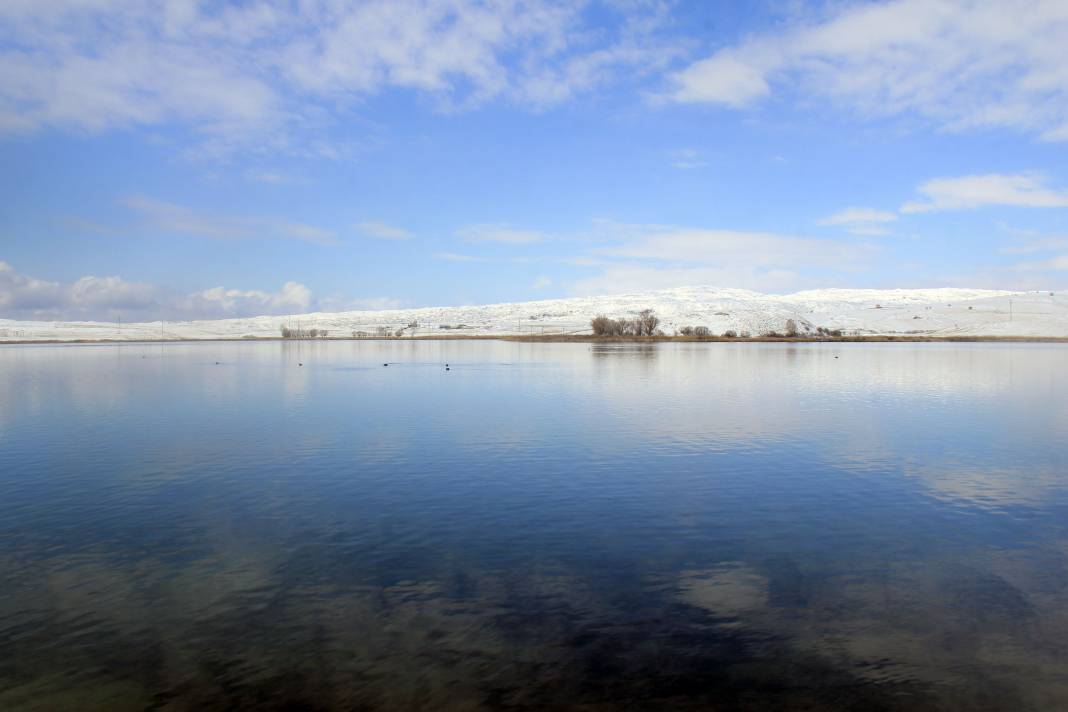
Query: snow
[[921, 312]]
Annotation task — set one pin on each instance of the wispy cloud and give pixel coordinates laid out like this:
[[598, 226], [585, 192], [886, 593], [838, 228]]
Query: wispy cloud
[[499, 232], [265, 74], [687, 158], [1042, 244], [173, 219], [382, 231], [1024, 190], [656, 256], [272, 177], [861, 221], [1049, 253], [459, 257], [960, 64], [1058, 263]]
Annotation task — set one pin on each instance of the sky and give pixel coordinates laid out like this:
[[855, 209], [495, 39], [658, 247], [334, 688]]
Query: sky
[[179, 159]]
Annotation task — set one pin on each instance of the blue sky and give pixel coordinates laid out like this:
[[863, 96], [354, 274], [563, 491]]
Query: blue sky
[[205, 159]]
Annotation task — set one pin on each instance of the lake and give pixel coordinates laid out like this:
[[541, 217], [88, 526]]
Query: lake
[[201, 526]]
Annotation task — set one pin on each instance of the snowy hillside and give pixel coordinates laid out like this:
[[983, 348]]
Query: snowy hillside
[[933, 312]]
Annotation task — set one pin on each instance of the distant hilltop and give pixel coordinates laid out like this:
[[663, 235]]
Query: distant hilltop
[[947, 312]]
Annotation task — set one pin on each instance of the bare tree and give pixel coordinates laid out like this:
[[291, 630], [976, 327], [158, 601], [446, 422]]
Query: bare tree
[[647, 322], [702, 332], [791, 328]]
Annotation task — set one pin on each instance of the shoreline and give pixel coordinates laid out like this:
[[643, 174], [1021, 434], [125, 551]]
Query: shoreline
[[579, 339]]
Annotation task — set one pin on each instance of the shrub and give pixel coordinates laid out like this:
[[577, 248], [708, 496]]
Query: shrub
[[730, 334], [686, 331], [602, 325], [644, 325]]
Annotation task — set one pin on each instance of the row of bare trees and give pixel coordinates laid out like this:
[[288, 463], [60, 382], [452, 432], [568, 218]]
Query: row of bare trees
[[645, 324], [288, 333]]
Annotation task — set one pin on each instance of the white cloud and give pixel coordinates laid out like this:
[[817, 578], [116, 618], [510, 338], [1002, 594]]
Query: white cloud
[[723, 78], [1044, 244], [851, 216], [1051, 250], [382, 231], [265, 74], [458, 257], [113, 298], [958, 63], [687, 158], [1023, 190], [19, 292], [271, 177], [655, 257], [861, 221], [26, 297], [731, 247], [219, 302], [173, 219], [499, 232], [1058, 263], [110, 293]]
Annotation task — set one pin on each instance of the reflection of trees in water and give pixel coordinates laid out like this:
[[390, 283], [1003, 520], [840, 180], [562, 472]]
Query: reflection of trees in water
[[624, 358], [636, 350]]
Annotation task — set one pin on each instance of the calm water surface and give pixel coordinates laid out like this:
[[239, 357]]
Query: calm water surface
[[556, 526]]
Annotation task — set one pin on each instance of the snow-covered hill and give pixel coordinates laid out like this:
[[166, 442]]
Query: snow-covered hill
[[934, 312]]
